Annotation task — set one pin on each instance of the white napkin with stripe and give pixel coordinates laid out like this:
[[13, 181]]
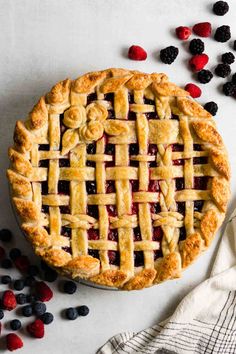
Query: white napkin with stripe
[[205, 320]]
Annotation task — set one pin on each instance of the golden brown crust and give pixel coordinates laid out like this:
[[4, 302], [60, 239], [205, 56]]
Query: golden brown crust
[[85, 122], [208, 226], [190, 249], [207, 132]]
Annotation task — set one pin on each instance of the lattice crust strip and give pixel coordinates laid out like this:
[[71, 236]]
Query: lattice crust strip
[[119, 177]]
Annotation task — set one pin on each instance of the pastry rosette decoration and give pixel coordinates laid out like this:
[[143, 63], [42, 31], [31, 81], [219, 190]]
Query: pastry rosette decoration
[[88, 124]]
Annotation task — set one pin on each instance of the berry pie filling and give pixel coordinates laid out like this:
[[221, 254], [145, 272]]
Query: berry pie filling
[[137, 234], [113, 235], [66, 231], [93, 234]]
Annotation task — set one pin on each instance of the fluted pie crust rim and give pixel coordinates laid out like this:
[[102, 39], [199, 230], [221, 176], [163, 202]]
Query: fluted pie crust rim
[[86, 124]]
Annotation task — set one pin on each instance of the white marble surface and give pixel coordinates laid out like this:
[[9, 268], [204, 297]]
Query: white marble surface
[[45, 41]]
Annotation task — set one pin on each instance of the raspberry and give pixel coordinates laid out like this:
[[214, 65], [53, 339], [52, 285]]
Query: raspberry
[[222, 34], [198, 62], [222, 70], [183, 32], [43, 291], [202, 29], [22, 263], [2, 253], [169, 54], [13, 342], [194, 90], [229, 89], [36, 329], [220, 8], [196, 46], [204, 76], [9, 300], [137, 53], [211, 107], [228, 58]]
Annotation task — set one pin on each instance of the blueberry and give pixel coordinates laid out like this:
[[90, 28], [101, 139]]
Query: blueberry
[[14, 253], [47, 318], [15, 325], [44, 265], [19, 284], [69, 287], [29, 281], [6, 263], [83, 310], [21, 299], [6, 279], [27, 311], [39, 308], [50, 275], [1, 314], [33, 270], [71, 313], [5, 235]]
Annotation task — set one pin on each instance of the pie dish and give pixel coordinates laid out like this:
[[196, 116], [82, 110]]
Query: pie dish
[[119, 177]]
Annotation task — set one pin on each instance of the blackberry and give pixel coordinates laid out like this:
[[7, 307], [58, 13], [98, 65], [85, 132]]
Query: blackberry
[[15, 325], [39, 308], [5, 235], [229, 89], [21, 299], [169, 54], [220, 8], [196, 46], [234, 78], [222, 70], [6, 279], [69, 287], [14, 253], [83, 310], [222, 34], [71, 313], [211, 107], [204, 76], [47, 318], [228, 58]]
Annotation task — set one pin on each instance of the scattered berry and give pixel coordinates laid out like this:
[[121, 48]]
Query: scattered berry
[[234, 78], [22, 263], [194, 90], [27, 311], [6, 279], [30, 298], [33, 270], [83, 310], [47, 318], [196, 46], [211, 107], [71, 313], [69, 287], [228, 58], [229, 89], [169, 54], [39, 308], [5, 235], [198, 62], [202, 29], [137, 53], [9, 300], [19, 284], [15, 325], [21, 299], [183, 32], [223, 70], [204, 76], [50, 275], [220, 8], [13, 342], [43, 291], [234, 45], [36, 329], [6, 263], [14, 253], [29, 281], [222, 34], [2, 253], [1, 314]]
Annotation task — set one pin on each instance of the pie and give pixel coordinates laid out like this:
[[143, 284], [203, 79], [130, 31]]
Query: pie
[[119, 177]]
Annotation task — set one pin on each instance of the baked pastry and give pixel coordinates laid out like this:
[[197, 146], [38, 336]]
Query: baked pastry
[[119, 177]]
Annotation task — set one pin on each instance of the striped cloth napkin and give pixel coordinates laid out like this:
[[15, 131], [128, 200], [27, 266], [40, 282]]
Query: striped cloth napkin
[[205, 320]]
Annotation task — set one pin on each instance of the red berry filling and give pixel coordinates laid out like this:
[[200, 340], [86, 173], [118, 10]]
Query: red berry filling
[[44, 147], [93, 253], [157, 234], [91, 149], [45, 163], [134, 185], [202, 160], [178, 162], [64, 187], [197, 147], [44, 187], [181, 207], [179, 184], [110, 187], [130, 98], [91, 97], [177, 147], [200, 183], [110, 149], [67, 249], [45, 209], [133, 149], [198, 205], [182, 233], [152, 115], [131, 115], [112, 210], [134, 209], [148, 101], [137, 234], [153, 185], [138, 258], [66, 231], [114, 257], [155, 208], [91, 187], [113, 235], [157, 254], [152, 149], [93, 211], [64, 209], [93, 234]]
